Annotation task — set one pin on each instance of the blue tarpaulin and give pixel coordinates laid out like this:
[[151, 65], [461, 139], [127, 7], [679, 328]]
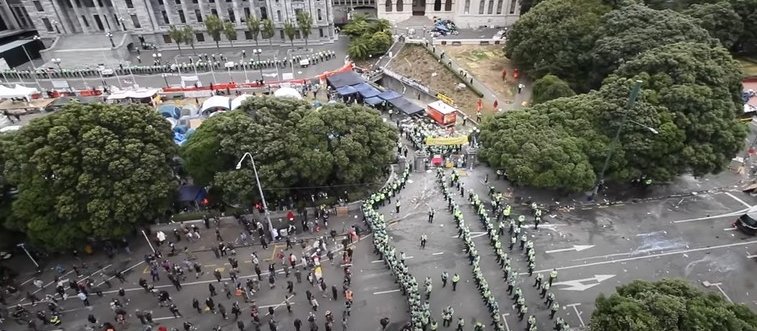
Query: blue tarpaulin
[[373, 101], [169, 110], [389, 95], [189, 193], [346, 90], [366, 90], [344, 79]]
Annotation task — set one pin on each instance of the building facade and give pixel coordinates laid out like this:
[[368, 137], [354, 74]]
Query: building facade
[[464, 13], [345, 9], [151, 19]]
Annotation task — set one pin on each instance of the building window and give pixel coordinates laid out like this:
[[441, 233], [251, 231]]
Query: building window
[[160, 2], [231, 15], [48, 26], [247, 35], [320, 17], [84, 18], [388, 8], [200, 36], [165, 16], [512, 6], [481, 6], [320, 32], [166, 39], [129, 4], [38, 5], [194, 1], [437, 5], [214, 12], [178, 2], [212, 1], [491, 7], [135, 21], [198, 15], [467, 6], [278, 15], [181, 16], [448, 5], [263, 13], [499, 7], [400, 5], [246, 13]]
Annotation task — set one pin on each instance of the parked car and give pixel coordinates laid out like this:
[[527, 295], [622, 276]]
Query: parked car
[[105, 71], [747, 223]]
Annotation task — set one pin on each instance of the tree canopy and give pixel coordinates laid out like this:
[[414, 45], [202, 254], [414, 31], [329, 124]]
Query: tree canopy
[[631, 30], [720, 20], [668, 305], [550, 87], [557, 37], [367, 37], [89, 171], [294, 146]]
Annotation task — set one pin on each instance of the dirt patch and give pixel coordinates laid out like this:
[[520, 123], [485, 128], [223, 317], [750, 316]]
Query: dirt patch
[[486, 63], [416, 63]]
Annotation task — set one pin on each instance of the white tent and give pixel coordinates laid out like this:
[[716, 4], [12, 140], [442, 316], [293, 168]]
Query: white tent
[[17, 92], [239, 100], [288, 92], [214, 102]]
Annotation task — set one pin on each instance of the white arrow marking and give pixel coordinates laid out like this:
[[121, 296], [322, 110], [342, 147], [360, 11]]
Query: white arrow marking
[[473, 235], [578, 314], [578, 284], [576, 248]]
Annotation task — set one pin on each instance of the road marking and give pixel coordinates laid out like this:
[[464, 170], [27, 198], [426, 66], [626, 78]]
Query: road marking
[[730, 229], [731, 214], [377, 261], [575, 248], [276, 247], [504, 320], [717, 285], [737, 199], [634, 258], [578, 284], [437, 253], [276, 306], [385, 292], [123, 271], [80, 278], [163, 318], [473, 235], [578, 314]]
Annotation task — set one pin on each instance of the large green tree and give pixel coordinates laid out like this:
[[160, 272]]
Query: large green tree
[[550, 87], [631, 30], [747, 10], [215, 28], [293, 145], [177, 35], [90, 171], [305, 24], [720, 20], [668, 305], [557, 37], [702, 94]]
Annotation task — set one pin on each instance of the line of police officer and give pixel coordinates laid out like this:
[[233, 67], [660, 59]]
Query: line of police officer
[[470, 247], [204, 64], [420, 311]]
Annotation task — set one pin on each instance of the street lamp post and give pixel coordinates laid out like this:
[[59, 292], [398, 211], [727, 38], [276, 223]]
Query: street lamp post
[[57, 62], [156, 58], [55, 24], [631, 102], [23, 246], [260, 190], [260, 67], [212, 72], [123, 25], [244, 66], [110, 37], [86, 85], [32, 62], [165, 78]]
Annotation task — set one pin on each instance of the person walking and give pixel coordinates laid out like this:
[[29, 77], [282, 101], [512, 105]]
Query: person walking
[[397, 206], [553, 310], [445, 276], [552, 276], [431, 215], [196, 305], [212, 289], [84, 299], [314, 303], [424, 238]]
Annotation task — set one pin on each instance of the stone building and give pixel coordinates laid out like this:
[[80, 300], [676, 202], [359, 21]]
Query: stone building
[[464, 13]]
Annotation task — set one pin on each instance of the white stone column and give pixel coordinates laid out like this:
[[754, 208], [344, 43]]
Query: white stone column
[[84, 28]]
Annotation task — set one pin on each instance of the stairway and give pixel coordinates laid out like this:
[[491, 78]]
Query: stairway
[[85, 50], [416, 22]]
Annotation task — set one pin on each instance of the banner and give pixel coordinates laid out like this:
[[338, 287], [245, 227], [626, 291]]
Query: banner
[[446, 99], [442, 141]]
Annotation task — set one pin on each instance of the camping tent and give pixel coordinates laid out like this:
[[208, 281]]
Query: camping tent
[[169, 110], [373, 101], [17, 92], [236, 102], [344, 79], [214, 103], [287, 92], [405, 106], [133, 94], [389, 95], [366, 90]]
